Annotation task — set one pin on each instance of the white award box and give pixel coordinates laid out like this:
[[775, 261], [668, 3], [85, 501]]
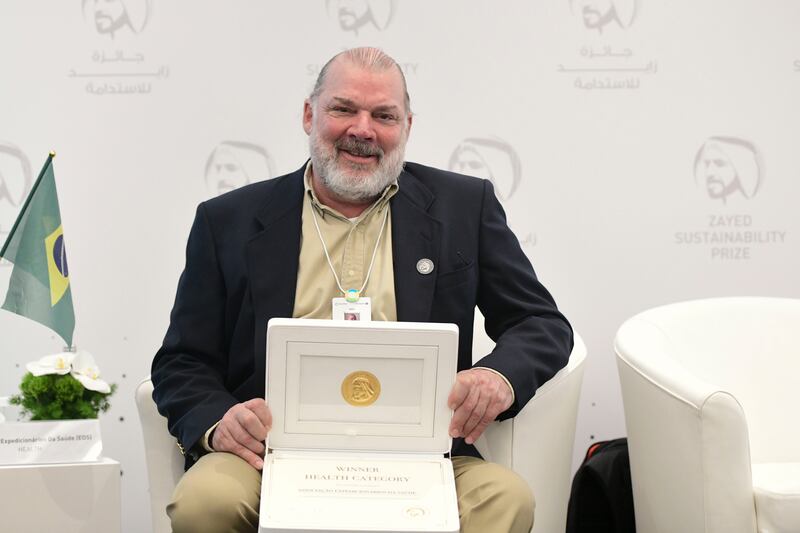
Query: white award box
[[360, 422]]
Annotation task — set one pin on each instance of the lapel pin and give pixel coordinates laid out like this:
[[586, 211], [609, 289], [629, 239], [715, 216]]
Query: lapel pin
[[425, 266]]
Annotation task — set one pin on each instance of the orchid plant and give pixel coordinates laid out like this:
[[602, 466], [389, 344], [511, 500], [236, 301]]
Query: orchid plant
[[63, 386]]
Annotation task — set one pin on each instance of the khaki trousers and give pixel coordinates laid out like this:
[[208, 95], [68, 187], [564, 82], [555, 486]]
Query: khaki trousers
[[221, 493]]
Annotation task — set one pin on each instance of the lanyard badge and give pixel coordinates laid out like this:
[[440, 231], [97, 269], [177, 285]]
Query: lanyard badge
[[343, 309]]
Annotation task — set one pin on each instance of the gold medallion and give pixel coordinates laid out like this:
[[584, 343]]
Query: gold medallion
[[361, 388]]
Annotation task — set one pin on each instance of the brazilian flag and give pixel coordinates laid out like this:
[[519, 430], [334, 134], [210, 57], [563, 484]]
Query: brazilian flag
[[39, 285]]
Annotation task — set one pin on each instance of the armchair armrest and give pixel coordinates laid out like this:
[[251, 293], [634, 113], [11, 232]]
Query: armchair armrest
[[690, 463], [537, 444], [163, 458]]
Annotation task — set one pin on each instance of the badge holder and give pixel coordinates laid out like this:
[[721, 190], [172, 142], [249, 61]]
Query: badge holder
[[360, 422], [359, 309]]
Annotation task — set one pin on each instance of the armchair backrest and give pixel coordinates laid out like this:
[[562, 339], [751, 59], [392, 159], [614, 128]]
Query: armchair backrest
[[745, 346]]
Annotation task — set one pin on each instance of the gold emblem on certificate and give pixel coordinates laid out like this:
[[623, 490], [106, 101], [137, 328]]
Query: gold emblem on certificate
[[415, 512], [361, 388]]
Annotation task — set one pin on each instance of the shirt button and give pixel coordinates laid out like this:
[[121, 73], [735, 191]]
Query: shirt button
[[350, 272]]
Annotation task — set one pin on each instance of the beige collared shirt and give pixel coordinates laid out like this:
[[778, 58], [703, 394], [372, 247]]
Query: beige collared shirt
[[350, 245]]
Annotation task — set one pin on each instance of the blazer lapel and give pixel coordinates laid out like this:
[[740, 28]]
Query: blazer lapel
[[415, 236], [272, 256]]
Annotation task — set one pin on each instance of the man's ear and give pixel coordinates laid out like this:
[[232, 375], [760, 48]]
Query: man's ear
[[308, 115], [410, 121]]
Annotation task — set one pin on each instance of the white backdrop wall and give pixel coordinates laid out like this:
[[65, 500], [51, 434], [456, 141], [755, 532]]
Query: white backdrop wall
[[643, 157]]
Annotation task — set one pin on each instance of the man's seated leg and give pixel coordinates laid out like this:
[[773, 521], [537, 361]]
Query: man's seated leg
[[491, 497], [221, 492]]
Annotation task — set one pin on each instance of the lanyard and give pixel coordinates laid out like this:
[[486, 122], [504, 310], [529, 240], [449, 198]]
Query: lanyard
[[351, 295]]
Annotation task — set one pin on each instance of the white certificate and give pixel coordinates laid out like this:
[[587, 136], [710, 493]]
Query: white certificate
[[359, 493]]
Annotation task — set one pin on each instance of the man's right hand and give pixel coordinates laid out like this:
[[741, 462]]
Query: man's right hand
[[243, 430]]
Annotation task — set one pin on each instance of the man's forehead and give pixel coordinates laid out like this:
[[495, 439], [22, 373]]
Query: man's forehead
[[345, 77], [714, 151]]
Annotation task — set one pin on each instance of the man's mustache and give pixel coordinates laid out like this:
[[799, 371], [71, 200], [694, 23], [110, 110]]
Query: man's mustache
[[356, 147]]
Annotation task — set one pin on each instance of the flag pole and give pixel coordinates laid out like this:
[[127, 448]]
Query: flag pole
[[50, 157]]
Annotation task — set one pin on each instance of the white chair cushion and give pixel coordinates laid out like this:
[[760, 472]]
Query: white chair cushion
[[777, 493]]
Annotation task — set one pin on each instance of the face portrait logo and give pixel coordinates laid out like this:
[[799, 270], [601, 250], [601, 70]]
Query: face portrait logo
[[111, 16], [353, 15], [235, 163], [490, 158], [598, 14], [16, 181], [728, 167], [361, 388]]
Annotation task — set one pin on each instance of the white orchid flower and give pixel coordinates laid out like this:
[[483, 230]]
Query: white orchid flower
[[85, 370], [60, 363]]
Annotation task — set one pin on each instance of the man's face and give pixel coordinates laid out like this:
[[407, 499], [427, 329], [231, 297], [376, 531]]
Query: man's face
[[225, 172], [352, 14], [109, 15], [596, 13], [358, 127], [362, 390], [719, 174]]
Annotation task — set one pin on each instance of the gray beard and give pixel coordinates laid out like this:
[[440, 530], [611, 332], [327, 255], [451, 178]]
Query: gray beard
[[349, 181]]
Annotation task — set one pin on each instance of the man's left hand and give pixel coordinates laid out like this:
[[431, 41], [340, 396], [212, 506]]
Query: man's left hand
[[477, 397]]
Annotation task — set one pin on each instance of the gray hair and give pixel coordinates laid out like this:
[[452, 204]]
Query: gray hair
[[366, 57]]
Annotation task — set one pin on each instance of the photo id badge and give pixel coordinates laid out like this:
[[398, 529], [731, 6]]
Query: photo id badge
[[360, 310]]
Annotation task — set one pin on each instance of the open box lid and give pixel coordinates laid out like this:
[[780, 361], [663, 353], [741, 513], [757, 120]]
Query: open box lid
[[360, 386]]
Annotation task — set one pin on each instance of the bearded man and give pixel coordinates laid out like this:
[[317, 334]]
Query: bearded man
[[727, 165], [425, 245]]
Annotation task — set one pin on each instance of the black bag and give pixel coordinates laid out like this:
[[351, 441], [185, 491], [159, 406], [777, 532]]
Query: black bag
[[601, 500]]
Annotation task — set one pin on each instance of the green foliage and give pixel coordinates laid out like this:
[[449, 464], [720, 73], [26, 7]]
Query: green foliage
[[59, 397]]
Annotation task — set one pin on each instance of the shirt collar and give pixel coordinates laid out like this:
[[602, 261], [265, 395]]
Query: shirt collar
[[382, 200]]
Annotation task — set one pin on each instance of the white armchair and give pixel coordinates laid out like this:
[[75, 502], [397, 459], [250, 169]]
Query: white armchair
[[710, 395], [537, 443], [163, 458]]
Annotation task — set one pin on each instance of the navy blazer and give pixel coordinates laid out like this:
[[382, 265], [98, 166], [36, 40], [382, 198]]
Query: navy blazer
[[241, 270]]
